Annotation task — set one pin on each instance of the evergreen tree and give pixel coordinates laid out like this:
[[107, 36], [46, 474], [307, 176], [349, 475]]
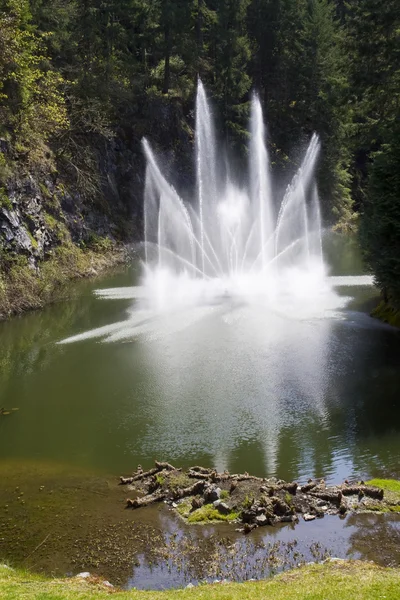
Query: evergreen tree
[[375, 85], [230, 55], [380, 226]]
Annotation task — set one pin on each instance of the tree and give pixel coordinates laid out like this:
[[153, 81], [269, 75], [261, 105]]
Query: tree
[[374, 51], [32, 106], [380, 226], [230, 55]]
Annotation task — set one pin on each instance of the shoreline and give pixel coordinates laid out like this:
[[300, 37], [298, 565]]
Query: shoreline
[[354, 579], [57, 523], [24, 289], [387, 314]]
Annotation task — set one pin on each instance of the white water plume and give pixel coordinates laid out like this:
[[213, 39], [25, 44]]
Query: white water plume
[[231, 241], [228, 246]]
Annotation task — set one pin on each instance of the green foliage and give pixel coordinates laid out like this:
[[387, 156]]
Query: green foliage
[[248, 502], [288, 499], [387, 313], [207, 513], [32, 106], [5, 201], [224, 494], [160, 479], [380, 226], [179, 480], [392, 485], [5, 169], [24, 288], [76, 75]]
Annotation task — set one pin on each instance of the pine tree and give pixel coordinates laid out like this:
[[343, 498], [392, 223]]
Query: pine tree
[[230, 55], [380, 226]]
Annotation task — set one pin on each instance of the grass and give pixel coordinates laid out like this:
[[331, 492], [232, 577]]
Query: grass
[[347, 580], [391, 489], [387, 313], [178, 480], [207, 513], [390, 485], [22, 288], [385, 509]]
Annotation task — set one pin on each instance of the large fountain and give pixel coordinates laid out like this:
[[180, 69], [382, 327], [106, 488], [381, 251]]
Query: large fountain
[[230, 241], [237, 337], [237, 250]]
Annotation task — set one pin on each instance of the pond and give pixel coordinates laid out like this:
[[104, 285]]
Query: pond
[[275, 395], [270, 394]]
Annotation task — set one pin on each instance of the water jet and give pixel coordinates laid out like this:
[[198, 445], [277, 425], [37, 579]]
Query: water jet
[[230, 241]]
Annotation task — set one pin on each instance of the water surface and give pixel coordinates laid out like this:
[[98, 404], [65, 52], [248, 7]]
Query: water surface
[[273, 394]]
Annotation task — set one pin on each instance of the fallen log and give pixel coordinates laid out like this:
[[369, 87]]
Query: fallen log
[[160, 466], [355, 490], [246, 477], [333, 497], [285, 487], [192, 490], [125, 480], [198, 475], [210, 476], [310, 486], [145, 501], [201, 470]]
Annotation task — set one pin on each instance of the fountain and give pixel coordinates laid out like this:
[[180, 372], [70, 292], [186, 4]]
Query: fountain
[[230, 241], [231, 250]]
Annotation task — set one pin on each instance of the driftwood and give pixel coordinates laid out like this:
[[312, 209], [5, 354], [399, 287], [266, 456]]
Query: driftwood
[[145, 501], [270, 504], [333, 497], [202, 476], [365, 490], [246, 477], [201, 470], [160, 466], [286, 487], [125, 480], [209, 475], [310, 486], [192, 490]]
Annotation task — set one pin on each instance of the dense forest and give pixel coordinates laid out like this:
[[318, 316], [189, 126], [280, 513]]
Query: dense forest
[[81, 81]]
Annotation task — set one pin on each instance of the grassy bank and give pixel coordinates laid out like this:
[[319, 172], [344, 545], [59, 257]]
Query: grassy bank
[[23, 288], [347, 580], [386, 313]]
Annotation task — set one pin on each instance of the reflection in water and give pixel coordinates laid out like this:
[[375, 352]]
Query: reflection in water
[[201, 404], [373, 531], [209, 553], [224, 384]]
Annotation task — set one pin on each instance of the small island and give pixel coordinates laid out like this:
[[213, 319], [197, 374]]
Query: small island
[[202, 495]]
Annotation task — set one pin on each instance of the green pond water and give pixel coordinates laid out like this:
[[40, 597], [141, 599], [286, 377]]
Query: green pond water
[[266, 392], [275, 396]]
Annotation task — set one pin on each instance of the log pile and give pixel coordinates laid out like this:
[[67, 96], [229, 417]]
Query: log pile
[[251, 501]]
